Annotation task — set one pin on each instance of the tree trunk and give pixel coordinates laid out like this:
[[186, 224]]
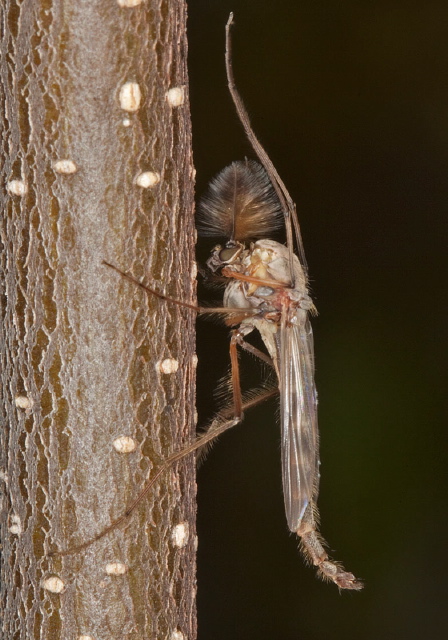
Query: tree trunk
[[96, 150]]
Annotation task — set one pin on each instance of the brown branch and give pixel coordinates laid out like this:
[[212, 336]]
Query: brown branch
[[90, 172]]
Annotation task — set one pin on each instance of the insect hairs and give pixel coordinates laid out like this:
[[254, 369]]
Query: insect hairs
[[240, 204]]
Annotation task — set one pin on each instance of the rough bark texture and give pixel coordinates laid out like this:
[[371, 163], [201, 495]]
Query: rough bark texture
[[80, 347]]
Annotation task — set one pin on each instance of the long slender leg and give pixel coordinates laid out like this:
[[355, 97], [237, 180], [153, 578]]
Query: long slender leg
[[251, 399], [236, 385], [262, 282], [252, 350], [242, 313], [236, 411], [237, 339], [312, 546], [216, 428]]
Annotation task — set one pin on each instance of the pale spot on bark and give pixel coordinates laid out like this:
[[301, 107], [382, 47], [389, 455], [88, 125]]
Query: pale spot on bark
[[17, 187], [147, 179], [180, 534], [54, 584], [130, 96], [176, 96], [16, 526], [169, 365], [125, 444], [23, 402], [129, 3], [65, 166], [116, 568]]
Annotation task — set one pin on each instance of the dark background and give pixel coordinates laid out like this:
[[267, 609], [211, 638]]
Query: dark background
[[351, 101]]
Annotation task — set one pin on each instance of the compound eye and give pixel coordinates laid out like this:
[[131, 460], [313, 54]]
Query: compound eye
[[227, 255]]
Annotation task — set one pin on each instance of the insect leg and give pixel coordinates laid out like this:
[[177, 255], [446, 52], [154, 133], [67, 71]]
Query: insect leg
[[218, 426], [242, 313], [253, 397], [252, 350], [236, 385], [224, 421], [312, 546], [237, 339], [262, 282]]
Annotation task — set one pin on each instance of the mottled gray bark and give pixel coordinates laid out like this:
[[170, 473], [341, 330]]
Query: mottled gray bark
[[86, 357]]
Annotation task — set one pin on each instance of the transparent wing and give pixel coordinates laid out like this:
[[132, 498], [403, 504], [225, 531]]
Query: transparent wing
[[298, 401]]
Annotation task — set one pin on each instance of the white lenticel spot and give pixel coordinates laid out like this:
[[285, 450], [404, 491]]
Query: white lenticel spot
[[177, 635], [65, 166], [126, 122], [23, 402], [130, 96], [195, 417], [84, 637], [147, 179], [195, 543], [180, 534], [194, 270], [176, 96], [17, 187], [15, 526], [116, 568], [129, 3], [169, 365], [53, 584], [194, 360], [125, 444]]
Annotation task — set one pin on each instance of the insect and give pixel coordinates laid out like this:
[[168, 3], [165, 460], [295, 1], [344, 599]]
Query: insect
[[266, 290]]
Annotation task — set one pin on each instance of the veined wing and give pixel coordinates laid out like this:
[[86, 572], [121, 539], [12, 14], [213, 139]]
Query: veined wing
[[298, 400]]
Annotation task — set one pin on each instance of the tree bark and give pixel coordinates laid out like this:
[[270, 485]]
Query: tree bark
[[97, 164]]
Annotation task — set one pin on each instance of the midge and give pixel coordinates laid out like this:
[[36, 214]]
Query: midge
[[266, 288]]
